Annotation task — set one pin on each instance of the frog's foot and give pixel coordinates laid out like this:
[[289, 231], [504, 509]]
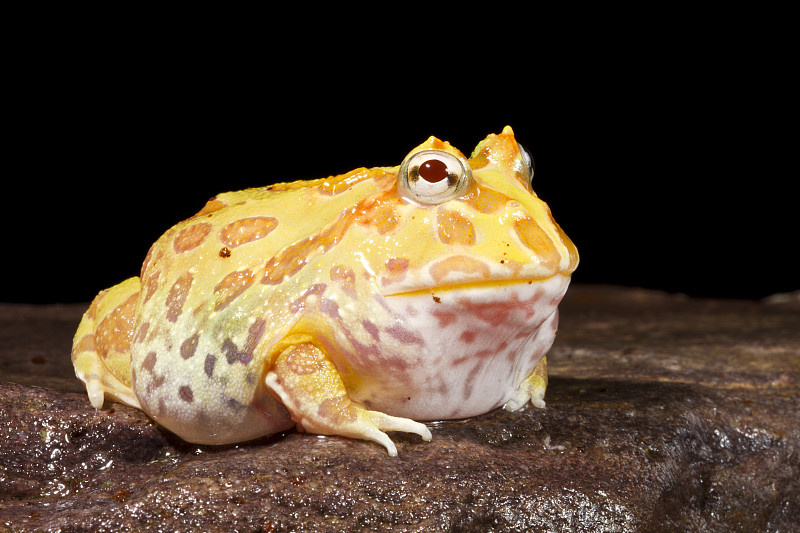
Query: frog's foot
[[101, 348], [311, 388], [532, 389]]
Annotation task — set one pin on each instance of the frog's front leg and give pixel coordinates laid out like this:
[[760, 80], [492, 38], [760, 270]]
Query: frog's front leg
[[310, 387], [531, 390]]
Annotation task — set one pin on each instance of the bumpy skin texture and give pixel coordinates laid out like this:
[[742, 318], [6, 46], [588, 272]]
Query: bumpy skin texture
[[348, 305]]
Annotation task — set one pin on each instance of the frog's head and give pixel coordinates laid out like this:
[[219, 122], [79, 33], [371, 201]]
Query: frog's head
[[447, 220]]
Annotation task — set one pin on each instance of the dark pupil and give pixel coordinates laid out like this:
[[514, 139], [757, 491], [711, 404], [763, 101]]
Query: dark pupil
[[433, 171]]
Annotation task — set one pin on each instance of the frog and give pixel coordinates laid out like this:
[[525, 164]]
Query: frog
[[356, 305]]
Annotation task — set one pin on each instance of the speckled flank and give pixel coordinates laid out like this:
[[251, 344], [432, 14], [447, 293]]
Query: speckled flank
[[177, 296], [208, 365], [185, 393], [231, 286], [189, 346]]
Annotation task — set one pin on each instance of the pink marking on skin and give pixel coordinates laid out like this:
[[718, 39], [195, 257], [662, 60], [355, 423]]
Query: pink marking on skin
[[396, 269], [481, 354], [404, 335], [469, 267], [141, 332], [329, 307], [372, 355], [345, 278], [300, 302], [154, 383], [149, 361], [255, 333], [185, 393], [372, 329], [523, 334], [382, 302], [470, 381], [445, 318], [189, 346], [468, 337], [363, 352], [495, 313]]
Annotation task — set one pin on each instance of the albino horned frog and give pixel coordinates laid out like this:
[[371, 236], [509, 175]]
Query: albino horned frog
[[351, 305]]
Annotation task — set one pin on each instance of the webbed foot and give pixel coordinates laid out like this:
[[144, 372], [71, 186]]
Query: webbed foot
[[312, 390]]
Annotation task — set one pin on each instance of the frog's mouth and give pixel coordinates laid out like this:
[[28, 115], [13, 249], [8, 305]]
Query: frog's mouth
[[466, 287], [489, 299]]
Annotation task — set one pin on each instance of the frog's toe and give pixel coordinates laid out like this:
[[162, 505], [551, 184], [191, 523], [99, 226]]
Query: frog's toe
[[100, 383], [531, 390], [100, 349], [393, 423], [310, 387], [373, 424]]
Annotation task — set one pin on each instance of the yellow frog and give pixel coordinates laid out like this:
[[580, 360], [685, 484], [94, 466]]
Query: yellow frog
[[351, 305]]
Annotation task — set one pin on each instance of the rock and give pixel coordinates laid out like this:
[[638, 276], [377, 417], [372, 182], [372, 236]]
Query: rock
[[664, 413]]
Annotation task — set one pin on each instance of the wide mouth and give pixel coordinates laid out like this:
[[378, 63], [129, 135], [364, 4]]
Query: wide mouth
[[486, 285]]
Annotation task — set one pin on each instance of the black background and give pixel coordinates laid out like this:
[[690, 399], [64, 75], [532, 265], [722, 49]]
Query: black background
[[659, 151]]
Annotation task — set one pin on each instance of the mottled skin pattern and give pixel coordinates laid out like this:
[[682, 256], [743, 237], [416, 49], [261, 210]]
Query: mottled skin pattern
[[349, 305]]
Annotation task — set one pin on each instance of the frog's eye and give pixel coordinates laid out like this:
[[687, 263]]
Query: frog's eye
[[527, 161], [433, 176]]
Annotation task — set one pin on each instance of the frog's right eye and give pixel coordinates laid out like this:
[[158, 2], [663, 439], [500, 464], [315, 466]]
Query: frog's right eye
[[433, 176]]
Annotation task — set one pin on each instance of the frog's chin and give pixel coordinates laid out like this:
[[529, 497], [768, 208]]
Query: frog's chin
[[469, 347]]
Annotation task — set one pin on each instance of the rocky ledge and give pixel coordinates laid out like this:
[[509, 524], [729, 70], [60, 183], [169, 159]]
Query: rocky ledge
[[664, 413]]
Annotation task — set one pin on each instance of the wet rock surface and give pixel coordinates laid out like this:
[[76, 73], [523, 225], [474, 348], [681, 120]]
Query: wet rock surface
[[663, 414]]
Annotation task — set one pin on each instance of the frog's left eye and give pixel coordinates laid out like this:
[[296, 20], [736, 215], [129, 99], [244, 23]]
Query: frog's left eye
[[527, 161], [433, 176]]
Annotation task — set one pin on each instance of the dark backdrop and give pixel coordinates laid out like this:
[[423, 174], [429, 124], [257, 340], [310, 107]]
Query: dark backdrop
[[661, 164]]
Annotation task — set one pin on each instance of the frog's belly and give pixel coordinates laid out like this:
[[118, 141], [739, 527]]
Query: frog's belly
[[459, 352]]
